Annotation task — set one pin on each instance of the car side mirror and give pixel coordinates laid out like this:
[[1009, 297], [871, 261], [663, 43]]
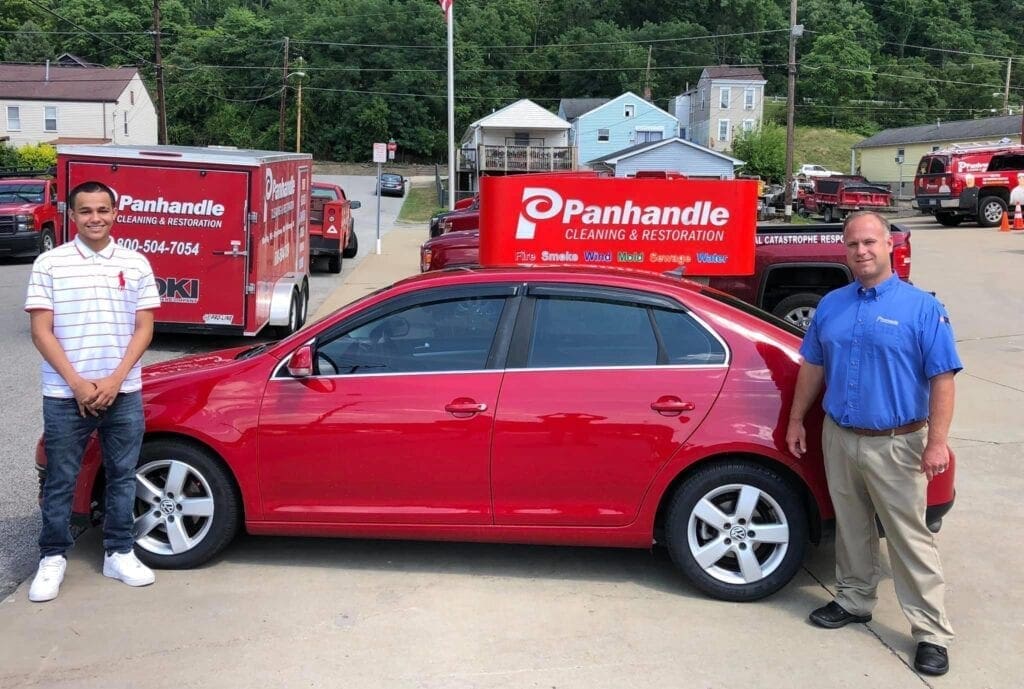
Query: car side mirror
[[354, 205], [300, 364]]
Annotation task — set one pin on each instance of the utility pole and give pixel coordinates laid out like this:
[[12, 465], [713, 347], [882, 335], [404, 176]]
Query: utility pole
[[1006, 91], [647, 76], [284, 98], [161, 103], [794, 32]]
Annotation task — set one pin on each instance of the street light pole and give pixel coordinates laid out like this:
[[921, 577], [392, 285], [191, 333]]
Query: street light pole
[[300, 75], [794, 32]]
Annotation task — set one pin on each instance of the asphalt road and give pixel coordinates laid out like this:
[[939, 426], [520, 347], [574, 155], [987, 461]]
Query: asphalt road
[[21, 403]]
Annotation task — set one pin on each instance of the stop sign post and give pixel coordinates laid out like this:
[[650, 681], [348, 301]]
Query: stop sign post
[[392, 147], [380, 155]]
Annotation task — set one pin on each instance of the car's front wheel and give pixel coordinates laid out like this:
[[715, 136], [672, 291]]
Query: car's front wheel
[[186, 506], [737, 530]]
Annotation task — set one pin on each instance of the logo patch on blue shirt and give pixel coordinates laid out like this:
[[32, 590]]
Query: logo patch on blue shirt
[[887, 321]]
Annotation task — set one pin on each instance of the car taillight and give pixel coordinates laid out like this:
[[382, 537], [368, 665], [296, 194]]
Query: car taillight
[[425, 256], [901, 260]]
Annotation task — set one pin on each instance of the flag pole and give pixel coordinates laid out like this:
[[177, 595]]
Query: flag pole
[[451, 106]]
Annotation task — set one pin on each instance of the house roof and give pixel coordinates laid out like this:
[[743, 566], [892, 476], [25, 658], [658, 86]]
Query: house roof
[[574, 107], [987, 128], [89, 84], [523, 114], [731, 72], [72, 60], [630, 94], [77, 140], [613, 158]]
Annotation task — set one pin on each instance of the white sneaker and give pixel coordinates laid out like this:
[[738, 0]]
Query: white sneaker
[[49, 576], [127, 568]]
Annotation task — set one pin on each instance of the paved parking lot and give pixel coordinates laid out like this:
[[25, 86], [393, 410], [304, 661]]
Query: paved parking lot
[[326, 613]]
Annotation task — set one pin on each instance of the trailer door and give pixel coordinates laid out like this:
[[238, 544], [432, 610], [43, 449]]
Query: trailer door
[[191, 225]]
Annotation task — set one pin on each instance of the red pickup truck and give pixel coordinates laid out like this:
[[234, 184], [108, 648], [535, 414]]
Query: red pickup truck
[[833, 197], [970, 183], [795, 265], [336, 238], [28, 216]]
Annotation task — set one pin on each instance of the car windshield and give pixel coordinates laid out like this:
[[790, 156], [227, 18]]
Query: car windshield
[[752, 310], [21, 193]]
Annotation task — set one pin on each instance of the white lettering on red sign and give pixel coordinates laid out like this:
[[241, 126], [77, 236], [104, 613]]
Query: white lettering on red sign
[[162, 205], [540, 203]]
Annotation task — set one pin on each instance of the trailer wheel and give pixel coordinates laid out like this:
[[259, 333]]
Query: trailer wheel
[[294, 312], [827, 213], [334, 263], [303, 304]]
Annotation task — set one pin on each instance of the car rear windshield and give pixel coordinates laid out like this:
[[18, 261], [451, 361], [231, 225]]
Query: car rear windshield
[[752, 310], [390, 178], [932, 165]]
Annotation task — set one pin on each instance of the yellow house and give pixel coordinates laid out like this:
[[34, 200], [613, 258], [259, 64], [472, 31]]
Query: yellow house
[[891, 156]]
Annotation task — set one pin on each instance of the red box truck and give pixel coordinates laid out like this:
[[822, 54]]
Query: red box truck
[[226, 230]]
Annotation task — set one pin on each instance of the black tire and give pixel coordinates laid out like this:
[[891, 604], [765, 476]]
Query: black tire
[[798, 309], [990, 211], [352, 248], [303, 304], [47, 240], [294, 314], [205, 483], [948, 219], [334, 263], [778, 510], [827, 213]]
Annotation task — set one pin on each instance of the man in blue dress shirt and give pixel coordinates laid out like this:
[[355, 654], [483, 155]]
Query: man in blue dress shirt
[[885, 352]]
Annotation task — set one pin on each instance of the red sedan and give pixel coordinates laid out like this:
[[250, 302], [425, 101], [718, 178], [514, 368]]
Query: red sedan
[[558, 406]]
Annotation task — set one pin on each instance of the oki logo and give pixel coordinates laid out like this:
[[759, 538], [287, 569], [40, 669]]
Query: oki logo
[[178, 290], [540, 204]]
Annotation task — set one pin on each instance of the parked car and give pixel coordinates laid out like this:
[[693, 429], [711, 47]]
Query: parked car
[[392, 185], [335, 239], [816, 171], [560, 406], [28, 216]]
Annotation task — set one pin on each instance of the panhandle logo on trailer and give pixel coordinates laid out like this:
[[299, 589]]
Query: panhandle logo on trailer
[[178, 290], [278, 189], [655, 224]]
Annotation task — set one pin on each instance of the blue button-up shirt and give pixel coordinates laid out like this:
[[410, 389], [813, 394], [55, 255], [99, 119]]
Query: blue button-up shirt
[[879, 346]]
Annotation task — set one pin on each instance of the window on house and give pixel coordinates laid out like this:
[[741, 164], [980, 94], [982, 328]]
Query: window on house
[[50, 118], [748, 98], [723, 130], [521, 138], [934, 148], [726, 95], [126, 124], [13, 118], [603, 135], [629, 110], [643, 137], [131, 97], [702, 99], [748, 125]]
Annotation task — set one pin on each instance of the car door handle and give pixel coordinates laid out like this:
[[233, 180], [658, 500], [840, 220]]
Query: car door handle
[[672, 406], [465, 406]]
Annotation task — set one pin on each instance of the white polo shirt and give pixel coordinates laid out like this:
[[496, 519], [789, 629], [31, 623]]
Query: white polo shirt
[[94, 297]]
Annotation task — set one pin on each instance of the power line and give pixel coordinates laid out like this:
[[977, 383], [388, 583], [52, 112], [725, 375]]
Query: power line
[[84, 30]]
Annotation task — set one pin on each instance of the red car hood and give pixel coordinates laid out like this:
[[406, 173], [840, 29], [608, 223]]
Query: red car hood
[[18, 208], [207, 361]]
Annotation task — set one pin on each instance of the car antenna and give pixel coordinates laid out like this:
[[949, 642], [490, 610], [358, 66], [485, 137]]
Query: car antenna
[[678, 273]]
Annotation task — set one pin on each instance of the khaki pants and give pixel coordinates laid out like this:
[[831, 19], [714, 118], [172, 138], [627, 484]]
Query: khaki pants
[[868, 474]]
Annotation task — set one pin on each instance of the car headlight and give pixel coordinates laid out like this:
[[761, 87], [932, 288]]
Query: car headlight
[[24, 222]]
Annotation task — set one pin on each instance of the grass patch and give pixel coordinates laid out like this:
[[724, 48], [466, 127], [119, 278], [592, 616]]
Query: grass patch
[[821, 146], [420, 203]]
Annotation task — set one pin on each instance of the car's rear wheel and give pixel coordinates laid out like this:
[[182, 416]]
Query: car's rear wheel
[[352, 248], [334, 263], [798, 309], [827, 214], [949, 219], [990, 211], [186, 506], [738, 531]]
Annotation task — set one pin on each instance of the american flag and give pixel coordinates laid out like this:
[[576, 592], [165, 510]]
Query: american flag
[[446, 5]]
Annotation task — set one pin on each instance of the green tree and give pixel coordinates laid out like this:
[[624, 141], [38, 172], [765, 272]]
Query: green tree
[[763, 152], [29, 45]]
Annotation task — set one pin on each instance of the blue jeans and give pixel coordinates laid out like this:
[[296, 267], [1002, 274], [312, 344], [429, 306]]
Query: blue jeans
[[66, 434]]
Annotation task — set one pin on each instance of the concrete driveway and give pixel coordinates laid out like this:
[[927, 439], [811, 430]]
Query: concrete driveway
[[328, 613]]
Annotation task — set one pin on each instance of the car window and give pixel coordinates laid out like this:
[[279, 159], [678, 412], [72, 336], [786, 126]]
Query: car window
[[1006, 162], [325, 193], [450, 335], [571, 332], [686, 341]]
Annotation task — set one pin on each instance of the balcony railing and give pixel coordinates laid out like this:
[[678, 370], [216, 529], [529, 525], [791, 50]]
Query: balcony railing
[[517, 158]]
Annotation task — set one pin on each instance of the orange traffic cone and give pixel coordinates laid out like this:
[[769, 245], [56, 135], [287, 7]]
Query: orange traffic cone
[[1018, 219], [1004, 224]]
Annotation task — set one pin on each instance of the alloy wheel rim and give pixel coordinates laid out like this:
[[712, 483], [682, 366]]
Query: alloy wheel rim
[[174, 507]]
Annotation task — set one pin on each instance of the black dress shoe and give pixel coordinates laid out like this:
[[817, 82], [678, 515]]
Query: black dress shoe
[[931, 659], [833, 616]]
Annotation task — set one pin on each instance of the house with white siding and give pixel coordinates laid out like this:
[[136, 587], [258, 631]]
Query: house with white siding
[[668, 155], [521, 137], [74, 104], [726, 101], [603, 126]]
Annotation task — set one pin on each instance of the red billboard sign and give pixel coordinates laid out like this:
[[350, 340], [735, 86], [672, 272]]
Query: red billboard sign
[[707, 226]]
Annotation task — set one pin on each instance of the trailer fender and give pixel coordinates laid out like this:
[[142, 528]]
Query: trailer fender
[[281, 297]]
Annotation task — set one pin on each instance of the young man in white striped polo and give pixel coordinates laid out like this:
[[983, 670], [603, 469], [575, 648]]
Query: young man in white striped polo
[[91, 306]]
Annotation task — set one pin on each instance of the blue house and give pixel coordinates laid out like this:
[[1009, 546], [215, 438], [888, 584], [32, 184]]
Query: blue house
[[601, 127], [669, 155]]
